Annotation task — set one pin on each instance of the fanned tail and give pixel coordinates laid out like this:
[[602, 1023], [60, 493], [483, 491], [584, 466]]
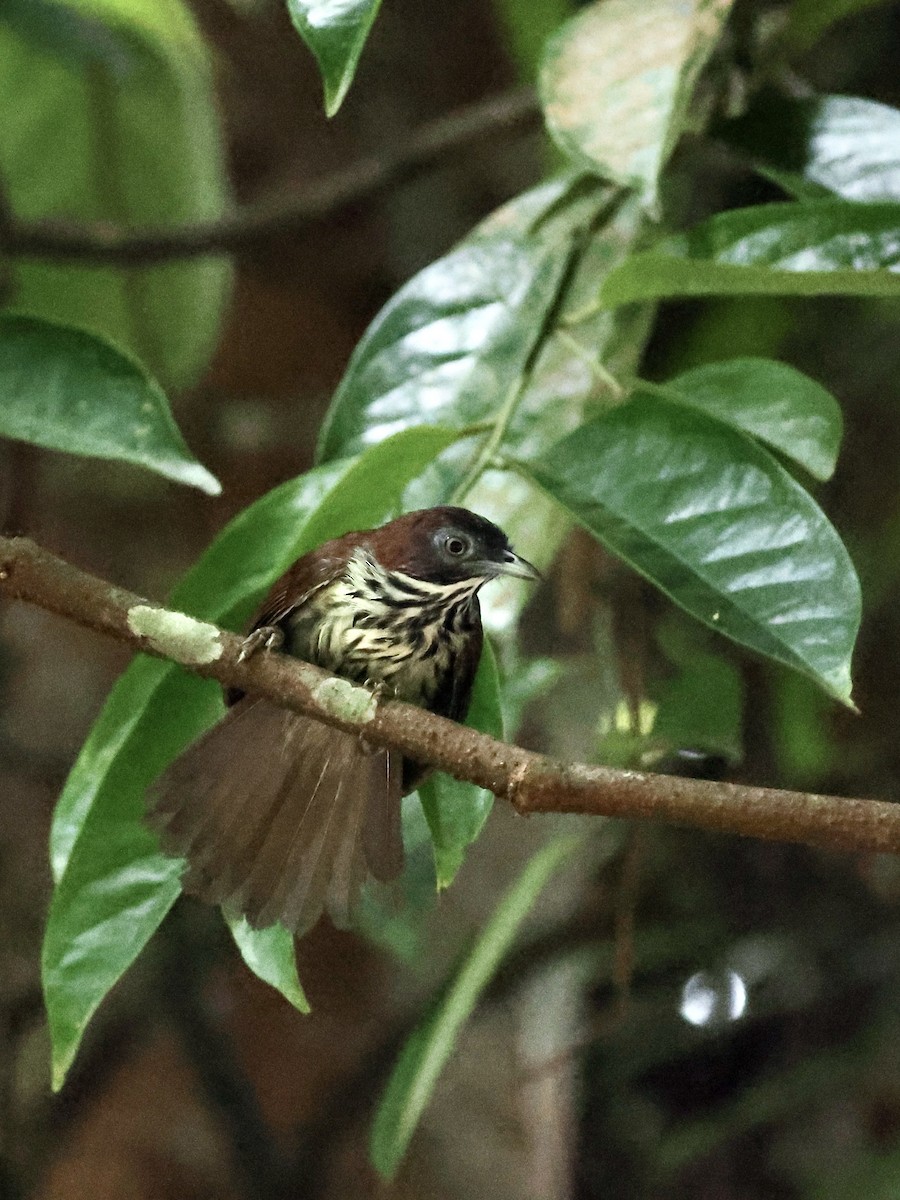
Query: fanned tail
[[280, 816]]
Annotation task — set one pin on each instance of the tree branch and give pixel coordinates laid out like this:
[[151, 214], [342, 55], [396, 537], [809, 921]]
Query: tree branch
[[285, 211], [531, 782]]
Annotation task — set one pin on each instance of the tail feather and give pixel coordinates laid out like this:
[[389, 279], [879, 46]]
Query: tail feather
[[299, 841], [279, 815], [203, 801], [350, 870], [338, 833], [381, 835]]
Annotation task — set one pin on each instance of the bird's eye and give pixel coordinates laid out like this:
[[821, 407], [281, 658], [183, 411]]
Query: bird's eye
[[456, 546]]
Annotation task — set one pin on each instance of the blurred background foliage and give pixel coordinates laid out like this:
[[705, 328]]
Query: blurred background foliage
[[683, 1015]]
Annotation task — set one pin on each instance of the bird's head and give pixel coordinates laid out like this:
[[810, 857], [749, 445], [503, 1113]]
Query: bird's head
[[448, 545]]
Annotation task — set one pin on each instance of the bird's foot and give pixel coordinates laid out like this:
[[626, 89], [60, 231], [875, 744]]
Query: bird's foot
[[379, 688], [266, 637]]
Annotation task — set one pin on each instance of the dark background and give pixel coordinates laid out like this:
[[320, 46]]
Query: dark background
[[198, 1081]]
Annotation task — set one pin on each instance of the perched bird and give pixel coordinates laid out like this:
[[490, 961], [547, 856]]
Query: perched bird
[[279, 815]]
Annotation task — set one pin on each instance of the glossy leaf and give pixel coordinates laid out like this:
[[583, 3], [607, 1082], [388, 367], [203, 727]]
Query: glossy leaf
[[772, 402], [714, 521], [335, 31], [428, 1049], [135, 142], [826, 247], [844, 144], [448, 347], [456, 811], [114, 887], [66, 389], [269, 953], [403, 351], [617, 80], [568, 380]]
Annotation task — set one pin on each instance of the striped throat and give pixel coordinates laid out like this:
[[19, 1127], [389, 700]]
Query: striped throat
[[378, 626]]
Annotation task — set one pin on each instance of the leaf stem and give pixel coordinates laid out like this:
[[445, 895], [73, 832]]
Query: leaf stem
[[487, 452], [601, 373]]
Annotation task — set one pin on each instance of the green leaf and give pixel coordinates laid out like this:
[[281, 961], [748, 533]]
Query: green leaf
[[821, 248], [57, 27], [584, 346], [422, 1060], [137, 143], [66, 389], [269, 953], [770, 401], [617, 80], [453, 343], [714, 521], [456, 811], [114, 887], [480, 382], [844, 144], [335, 31], [701, 704], [526, 26]]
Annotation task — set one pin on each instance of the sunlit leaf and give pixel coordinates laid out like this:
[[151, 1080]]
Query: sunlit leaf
[[456, 811], [135, 142], [335, 31], [269, 953], [845, 144], [114, 887], [825, 247], [714, 521], [617, 80], [451, 345], [569, 380], [425, 1054], [773, 402], [65, 389]]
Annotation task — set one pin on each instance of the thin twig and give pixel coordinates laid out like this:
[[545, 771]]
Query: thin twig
[[531, 782], [286, 210]]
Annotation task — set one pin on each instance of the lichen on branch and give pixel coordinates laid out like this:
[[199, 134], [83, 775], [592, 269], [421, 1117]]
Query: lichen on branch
[[532, 782]]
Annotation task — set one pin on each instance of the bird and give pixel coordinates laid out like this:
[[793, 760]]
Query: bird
[[280, 817]]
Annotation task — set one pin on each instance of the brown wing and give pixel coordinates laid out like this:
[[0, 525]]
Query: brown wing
[[296, 585], [305, 576], [280, 816]]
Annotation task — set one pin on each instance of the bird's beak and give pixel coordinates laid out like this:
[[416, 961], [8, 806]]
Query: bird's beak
[[519, 568]]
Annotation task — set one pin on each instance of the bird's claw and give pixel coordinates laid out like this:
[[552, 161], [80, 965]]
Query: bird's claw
[[266, 637], [378, 688]]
